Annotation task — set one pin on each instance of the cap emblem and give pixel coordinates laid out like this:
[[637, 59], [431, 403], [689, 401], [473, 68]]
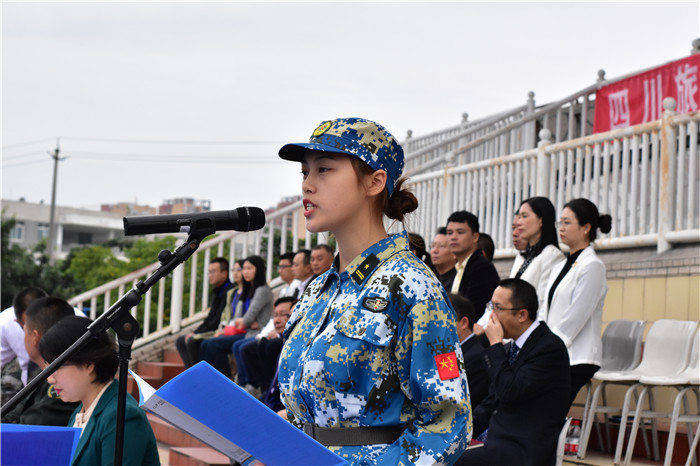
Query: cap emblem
[[322, 128]]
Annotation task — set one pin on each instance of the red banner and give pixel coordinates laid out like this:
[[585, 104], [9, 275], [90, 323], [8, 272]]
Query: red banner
[[640, 98]]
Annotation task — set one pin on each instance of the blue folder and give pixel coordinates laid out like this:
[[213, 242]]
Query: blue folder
[[214, 401], [37, 445]]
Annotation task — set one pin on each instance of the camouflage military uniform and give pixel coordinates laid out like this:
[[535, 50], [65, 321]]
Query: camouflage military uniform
[[377, 346]]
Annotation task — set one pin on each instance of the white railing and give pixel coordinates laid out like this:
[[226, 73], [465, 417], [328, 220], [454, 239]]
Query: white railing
[[645, 176]]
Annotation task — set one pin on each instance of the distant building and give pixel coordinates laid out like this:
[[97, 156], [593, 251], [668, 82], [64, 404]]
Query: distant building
[[184, 205], [129, 208], [74, 227]]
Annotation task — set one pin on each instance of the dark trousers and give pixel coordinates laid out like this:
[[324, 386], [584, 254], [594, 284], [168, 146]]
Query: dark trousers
[[189, 350], [580, 375], [215, 351], [261, 359]]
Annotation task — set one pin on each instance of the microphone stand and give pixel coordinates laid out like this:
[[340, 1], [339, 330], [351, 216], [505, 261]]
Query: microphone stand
[[125, 326]]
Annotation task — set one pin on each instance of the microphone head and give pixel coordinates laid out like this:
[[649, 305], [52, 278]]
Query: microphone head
[[254, 218]]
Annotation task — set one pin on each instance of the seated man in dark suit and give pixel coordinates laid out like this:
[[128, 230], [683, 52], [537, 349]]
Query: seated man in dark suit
[[43, 406], [472, 350], [528, 397], [475, 277]]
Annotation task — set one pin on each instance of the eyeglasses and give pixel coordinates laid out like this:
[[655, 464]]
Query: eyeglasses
[[564, 223], [495, 307], [283, 266], [282, 316]]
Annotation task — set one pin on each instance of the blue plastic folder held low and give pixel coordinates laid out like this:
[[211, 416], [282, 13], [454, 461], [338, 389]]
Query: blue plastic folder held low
[[37, 445], [210, 407]]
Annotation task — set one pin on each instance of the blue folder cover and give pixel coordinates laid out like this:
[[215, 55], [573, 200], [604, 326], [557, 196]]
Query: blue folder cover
[[37, 445], [206, 404]]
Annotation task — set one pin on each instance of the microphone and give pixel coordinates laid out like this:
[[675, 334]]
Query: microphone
[[241, 219]]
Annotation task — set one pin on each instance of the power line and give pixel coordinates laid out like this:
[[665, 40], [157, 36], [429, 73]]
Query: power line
[[25, 163], [147, 141], [28, 143], [26, 154]]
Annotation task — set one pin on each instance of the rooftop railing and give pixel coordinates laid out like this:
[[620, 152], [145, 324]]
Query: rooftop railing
[[646, 176]]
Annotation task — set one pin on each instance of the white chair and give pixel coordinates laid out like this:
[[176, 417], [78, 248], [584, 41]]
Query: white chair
[[561, 444], [622, 348], [665, 353], [686, 381]]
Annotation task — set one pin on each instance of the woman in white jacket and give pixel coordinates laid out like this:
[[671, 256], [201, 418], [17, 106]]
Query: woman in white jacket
[[573, 307], [535, 224]]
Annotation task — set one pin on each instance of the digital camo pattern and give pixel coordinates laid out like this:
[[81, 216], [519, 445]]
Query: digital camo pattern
[[369, 141], [360, 351]]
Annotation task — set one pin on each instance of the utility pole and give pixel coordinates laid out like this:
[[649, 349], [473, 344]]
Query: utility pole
[[52, 221]]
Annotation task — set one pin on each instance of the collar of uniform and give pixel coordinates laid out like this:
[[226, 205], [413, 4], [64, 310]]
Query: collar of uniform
[[361, 267]]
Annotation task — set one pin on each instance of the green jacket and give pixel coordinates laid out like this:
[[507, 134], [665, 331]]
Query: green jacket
[[96, 445]]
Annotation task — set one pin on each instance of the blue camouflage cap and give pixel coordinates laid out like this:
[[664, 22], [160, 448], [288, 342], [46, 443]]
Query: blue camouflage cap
[[369, 141]]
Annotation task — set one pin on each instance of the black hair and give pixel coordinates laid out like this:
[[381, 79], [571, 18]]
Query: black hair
[[587, 212], [43, 313], [401, 202], [258, 280], [441, 231], [463, 308], [24, 298], [287, 256], [523, 296], [485, 243], [325, 247], [462, 216], [285, 299], [416, 243], [543, 208], [307, 255], [223, 263], [100, 350]]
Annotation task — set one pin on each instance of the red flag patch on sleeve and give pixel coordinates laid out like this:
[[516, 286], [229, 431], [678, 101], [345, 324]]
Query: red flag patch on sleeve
[[447, 366]]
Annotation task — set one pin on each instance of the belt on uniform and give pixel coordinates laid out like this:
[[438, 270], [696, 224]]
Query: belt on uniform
[[353, 436]]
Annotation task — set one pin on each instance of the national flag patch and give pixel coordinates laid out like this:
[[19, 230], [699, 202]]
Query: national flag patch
[[447, 366]]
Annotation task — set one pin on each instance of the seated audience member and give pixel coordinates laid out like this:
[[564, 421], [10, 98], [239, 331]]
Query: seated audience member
[[536, 225], [13, 355], [284, 267], [260, 357], [472, 350], [87, 377], [443, 259], [42, 406], [301, 267], [485, 244], [416, 244], [187, 345], [476, 277], [252, 313], [576, 291], [528, 397], [321, 258]]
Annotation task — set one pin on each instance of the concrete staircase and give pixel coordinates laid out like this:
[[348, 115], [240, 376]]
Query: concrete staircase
[[175, 447]]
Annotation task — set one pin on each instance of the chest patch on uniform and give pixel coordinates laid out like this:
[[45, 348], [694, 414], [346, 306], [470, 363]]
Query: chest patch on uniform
[[365, 269], [447, 366], [375, 304]]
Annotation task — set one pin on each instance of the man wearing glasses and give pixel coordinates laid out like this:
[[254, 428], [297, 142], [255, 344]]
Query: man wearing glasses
[[284, 268], [529, 393]]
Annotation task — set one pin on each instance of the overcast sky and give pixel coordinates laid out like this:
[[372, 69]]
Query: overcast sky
[[216, 88]]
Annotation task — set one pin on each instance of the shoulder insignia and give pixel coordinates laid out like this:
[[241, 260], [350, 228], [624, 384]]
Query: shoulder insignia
[[364, 269], [447, 366], [375, 304]]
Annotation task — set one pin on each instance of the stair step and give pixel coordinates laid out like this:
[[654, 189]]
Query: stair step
[[170, 435], [171, 355], [160, 370], [192, 456]]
